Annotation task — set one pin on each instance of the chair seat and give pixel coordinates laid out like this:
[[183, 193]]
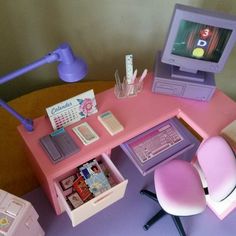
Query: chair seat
[[179, 188]]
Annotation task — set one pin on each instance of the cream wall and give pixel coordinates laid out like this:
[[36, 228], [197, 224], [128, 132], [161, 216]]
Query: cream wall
[[100, 31]]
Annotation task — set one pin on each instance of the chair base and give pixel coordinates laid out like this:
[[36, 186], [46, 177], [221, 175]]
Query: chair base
[[160, 214], [154, 219]]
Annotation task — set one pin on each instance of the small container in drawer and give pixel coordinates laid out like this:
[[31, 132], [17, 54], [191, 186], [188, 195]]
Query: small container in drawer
[[97, 203]]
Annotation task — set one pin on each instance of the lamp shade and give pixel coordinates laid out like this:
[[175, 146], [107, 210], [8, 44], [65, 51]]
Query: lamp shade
[[74, 71]]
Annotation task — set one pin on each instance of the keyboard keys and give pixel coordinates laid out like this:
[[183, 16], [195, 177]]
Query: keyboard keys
[[165, 137]]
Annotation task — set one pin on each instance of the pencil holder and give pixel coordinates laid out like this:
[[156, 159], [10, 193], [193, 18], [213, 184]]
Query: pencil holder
[[126, 89]]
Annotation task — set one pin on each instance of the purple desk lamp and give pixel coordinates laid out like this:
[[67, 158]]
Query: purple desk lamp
[[70, 69]]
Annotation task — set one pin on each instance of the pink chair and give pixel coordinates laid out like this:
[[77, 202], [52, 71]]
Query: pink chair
[[178, 186]]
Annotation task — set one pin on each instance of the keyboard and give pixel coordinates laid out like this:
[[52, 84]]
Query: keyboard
[[159, 141], [59, 145]]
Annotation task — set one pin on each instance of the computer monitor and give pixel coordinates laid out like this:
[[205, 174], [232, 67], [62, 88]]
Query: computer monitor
[[198, 42]]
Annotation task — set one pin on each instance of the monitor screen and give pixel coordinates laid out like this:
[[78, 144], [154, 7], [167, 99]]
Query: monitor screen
[[199, 40]]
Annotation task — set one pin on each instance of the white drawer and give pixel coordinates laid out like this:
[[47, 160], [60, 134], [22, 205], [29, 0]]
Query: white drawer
[[98, 203]]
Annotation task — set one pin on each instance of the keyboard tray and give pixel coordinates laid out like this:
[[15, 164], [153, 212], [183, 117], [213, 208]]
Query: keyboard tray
[[185, 146]]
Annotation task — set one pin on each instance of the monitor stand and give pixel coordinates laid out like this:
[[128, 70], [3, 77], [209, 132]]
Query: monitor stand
[[165, 83], [199, 76]]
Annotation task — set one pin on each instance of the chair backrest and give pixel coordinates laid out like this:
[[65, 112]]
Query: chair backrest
[[218, 164]]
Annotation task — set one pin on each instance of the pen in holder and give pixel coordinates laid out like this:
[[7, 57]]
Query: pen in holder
[[128, 88]]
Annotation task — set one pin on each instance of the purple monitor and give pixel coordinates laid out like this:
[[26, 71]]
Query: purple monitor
[[198, 42]]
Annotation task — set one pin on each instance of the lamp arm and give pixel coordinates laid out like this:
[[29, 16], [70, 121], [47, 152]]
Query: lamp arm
[[70, 69], [27, 123], [46, 59]]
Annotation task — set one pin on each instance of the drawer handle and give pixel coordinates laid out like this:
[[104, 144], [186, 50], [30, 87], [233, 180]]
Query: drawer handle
[[102, 198]]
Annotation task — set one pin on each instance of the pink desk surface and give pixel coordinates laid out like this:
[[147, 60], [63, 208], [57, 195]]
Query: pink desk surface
[[137, 114]]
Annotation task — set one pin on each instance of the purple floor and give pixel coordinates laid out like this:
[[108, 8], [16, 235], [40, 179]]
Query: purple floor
[[127, 216]]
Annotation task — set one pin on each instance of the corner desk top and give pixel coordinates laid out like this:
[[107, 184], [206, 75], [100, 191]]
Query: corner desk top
[[137, 114]]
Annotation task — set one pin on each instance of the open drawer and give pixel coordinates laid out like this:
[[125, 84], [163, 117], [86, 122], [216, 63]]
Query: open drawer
[[96, 204]]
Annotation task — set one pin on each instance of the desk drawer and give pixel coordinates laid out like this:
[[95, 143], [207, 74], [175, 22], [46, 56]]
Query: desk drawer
[[97, 203]]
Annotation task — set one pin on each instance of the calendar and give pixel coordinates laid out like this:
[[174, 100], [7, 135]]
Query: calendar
[[72, 110]]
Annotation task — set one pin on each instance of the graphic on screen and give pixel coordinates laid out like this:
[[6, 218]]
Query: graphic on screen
[[199, 41]]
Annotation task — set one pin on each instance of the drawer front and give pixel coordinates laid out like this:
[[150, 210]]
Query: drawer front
[[98, 203]]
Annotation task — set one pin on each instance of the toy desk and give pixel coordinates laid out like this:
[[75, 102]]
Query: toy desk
[[137, 114]]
